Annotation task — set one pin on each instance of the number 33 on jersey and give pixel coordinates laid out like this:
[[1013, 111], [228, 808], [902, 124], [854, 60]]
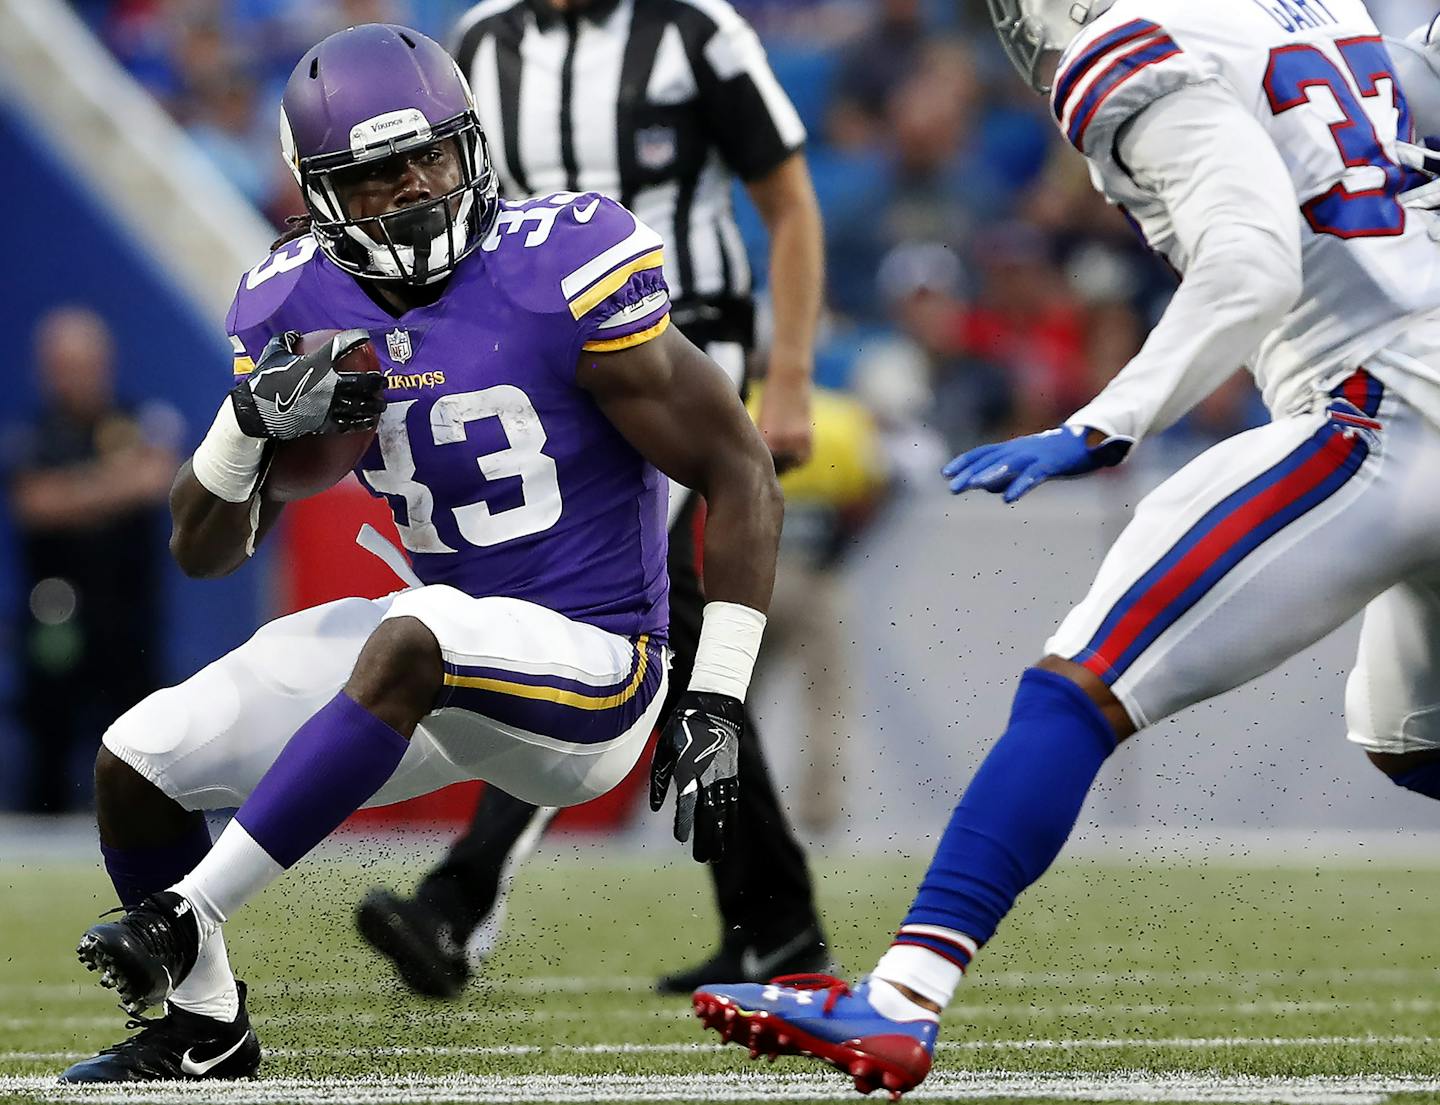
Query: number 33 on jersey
[[499, 469], [1317, 77]]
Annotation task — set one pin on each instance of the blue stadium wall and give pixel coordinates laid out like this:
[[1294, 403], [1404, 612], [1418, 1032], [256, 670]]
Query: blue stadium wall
[[63, 246]]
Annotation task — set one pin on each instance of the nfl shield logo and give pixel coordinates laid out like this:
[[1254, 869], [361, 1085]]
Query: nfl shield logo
[[397, 344], [655, 147]]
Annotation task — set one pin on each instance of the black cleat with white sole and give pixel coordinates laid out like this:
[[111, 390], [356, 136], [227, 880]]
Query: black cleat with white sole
[[178, 1047], [145, 954]]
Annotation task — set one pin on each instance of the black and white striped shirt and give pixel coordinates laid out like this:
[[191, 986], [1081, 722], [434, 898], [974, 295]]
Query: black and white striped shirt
[[656, 103]]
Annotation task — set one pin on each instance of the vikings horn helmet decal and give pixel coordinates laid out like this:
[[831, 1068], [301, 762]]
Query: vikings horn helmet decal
[[368, 93]]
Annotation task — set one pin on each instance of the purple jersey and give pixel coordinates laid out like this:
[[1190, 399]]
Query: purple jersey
[[503, 475]]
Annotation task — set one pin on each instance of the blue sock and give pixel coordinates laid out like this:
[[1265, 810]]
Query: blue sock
[[1019, 809], [139, 872], [1424, 779]]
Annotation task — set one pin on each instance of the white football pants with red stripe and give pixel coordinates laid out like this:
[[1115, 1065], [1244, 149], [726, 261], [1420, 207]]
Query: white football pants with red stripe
[[1263, 545]]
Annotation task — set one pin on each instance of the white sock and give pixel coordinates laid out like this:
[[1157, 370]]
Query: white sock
[[930, 974], [890, 1002], [209, 989], [233, 872]]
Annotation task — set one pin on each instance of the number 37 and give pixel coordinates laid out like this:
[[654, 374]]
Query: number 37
[[1293, 72], [521, 458]]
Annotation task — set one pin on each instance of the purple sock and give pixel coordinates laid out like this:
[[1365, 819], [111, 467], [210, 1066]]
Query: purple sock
[[140, 872], [332, 765]]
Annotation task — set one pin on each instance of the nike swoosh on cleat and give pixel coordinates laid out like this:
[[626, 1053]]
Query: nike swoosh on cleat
[[762, 966], [203, 1067], [586, 213]]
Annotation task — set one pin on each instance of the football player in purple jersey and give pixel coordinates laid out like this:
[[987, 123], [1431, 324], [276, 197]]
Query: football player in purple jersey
[[532, 393]]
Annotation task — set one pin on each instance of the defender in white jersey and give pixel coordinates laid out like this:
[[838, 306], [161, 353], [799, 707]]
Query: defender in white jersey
[[1257, 145]]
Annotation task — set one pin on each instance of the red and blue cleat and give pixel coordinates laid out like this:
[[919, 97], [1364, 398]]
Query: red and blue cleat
[[822, 1017]]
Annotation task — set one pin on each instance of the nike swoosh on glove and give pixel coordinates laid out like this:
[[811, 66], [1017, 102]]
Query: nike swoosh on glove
[[700, 749], [291, 394], [1014, 467]]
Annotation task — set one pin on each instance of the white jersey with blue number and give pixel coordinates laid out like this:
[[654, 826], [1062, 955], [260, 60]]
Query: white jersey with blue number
[[1320, 81]]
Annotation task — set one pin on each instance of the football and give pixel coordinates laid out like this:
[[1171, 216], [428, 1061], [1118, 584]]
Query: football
[[310, 465]]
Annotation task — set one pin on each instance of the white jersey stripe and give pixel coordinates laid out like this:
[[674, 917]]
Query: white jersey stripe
[[640, 240]]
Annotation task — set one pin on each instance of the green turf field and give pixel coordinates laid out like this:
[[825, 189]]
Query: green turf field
[[1184, 982]]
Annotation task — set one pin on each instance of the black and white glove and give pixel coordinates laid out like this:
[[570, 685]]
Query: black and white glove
[[292, 394], [700, 749]]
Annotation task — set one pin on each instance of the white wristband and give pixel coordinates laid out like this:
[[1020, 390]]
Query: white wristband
[[729, 642], [227, 463]]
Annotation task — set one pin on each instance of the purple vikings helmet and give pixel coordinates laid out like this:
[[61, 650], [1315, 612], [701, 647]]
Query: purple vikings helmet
[[368, 93]]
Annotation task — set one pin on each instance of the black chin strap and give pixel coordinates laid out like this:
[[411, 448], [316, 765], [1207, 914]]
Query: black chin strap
[[419, 229]]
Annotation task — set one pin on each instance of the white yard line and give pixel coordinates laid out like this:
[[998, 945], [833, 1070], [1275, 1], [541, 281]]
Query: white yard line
[[762, 1086], [1110, 1043], [341, 987], [982, 981], [958, 1014]]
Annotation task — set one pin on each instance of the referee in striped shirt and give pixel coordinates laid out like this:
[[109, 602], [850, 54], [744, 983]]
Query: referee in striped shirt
[[659, 104]]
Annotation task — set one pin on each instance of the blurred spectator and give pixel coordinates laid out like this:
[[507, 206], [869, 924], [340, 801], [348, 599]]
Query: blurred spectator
[[225, 128], [219, 66], [940, 184], [923, 287], [87, 476], [879, 60], [820, 24], [1026, 320]]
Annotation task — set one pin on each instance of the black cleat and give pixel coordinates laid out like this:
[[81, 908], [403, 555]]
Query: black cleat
[[147, 953], [428, 958], [179, 1046], [805, 953]]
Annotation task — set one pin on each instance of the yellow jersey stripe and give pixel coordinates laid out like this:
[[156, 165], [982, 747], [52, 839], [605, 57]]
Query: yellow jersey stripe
[[613, 344], [611, 284], [244, 366], [555, 694]]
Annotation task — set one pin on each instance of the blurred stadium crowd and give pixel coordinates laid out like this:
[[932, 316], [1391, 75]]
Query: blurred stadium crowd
[[976, 285]]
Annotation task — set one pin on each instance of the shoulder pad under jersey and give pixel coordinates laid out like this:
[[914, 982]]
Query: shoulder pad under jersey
[[1113, 69], [586, 259], [263, 293]]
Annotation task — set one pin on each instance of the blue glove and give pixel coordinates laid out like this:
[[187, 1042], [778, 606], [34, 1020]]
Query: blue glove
[[1014, 467]]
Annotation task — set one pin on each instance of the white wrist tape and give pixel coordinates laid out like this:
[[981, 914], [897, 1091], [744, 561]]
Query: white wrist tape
[[227, 463], [729, 642]]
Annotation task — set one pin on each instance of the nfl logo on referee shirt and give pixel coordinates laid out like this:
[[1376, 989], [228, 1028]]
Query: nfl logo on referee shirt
[[655, 147], [397, 344]]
